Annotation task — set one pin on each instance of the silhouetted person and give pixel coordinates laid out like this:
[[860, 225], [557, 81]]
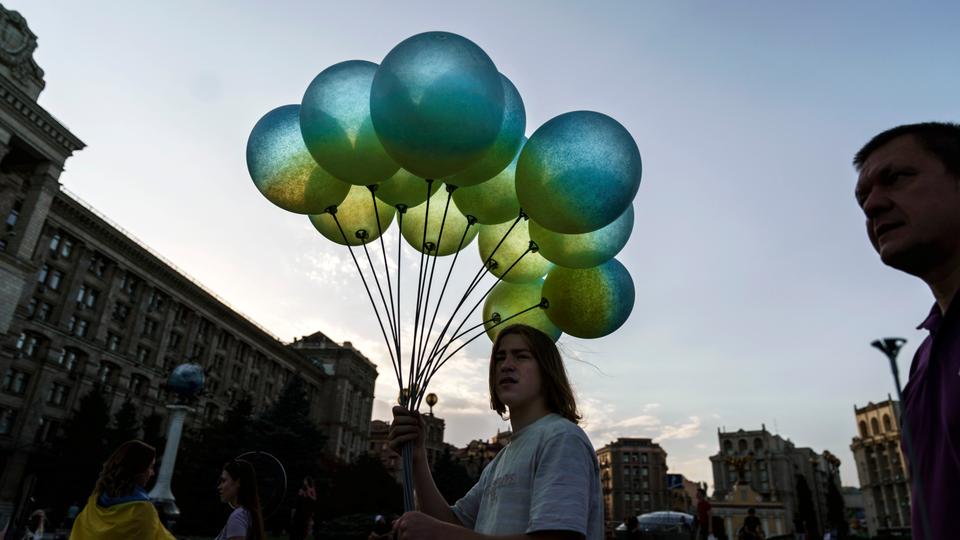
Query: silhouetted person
[[909, 190], [703, 525], [238, 488]]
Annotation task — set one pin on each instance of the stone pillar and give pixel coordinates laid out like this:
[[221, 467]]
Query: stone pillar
[[161, 494], [43, 187]]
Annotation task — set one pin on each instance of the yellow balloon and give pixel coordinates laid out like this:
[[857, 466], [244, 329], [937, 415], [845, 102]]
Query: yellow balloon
[[512, 251], [357, 218], [454, 226]]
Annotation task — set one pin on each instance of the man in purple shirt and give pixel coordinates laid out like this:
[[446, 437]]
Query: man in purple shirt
[[909, 190]]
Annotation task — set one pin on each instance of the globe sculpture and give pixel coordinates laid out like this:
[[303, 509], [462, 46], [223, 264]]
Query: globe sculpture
[[373, 143], [186, 381]]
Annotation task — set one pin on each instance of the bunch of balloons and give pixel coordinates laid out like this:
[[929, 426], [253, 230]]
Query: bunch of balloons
[[370, 144]]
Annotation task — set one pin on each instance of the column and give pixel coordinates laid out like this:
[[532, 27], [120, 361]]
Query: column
[[43, 187]]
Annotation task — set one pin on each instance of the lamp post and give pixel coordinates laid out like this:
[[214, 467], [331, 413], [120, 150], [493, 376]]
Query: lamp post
[[186, 382], [431, 401], [891, 348]]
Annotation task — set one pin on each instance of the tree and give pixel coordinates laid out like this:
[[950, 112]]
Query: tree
[[365, 487], [126, 425], [836, 510], [153, 431], [451, 477], [805, 506]]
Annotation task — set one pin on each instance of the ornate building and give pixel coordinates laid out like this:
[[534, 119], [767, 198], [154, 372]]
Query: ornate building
[[84, 305], [884, 478], [777, 472], [633, 474]]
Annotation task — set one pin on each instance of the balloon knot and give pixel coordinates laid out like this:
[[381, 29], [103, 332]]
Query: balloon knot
[[491, 264], [373, 187], [544, 303], [362, 234], [524, 214], [430, 246], [471, 220], [496, 318], [451, 188], [534, 247], [331, 210], [402, 208]]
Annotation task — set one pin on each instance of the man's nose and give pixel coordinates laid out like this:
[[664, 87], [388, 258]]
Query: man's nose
[[875, 204]]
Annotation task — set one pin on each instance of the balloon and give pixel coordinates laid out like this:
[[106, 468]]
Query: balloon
[[587, 249], [436, 103], [356, 217], [453, 227], [508, 299], [591, 302], [578, 172], [282, 169], [405, 189], [336, 125], [528, 267], [493, 201], [505, 147]]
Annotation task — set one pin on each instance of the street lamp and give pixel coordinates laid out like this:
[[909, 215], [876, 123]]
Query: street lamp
[[431, 401], [891, 347]]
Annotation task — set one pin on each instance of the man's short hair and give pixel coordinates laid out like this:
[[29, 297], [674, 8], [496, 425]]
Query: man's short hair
[[941, 139]]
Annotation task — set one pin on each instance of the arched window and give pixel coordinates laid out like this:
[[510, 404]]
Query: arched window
[[875, 426], [886, 423], [742, 445], [728, 447], [758, 444], [863, 429]]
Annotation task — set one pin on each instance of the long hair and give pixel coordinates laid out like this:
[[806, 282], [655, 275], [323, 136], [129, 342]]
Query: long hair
[[248, 496], [555, 386], [120, 473]]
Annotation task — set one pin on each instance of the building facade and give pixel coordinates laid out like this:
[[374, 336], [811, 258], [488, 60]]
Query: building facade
[[346, 395], [84, 305], [633, 476], [884, 477], [778, 472]]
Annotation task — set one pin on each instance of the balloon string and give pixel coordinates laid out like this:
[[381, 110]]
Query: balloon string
[[424, 336], [395, 325], [393, 332], [471, 221], [442, 352], [502, 321], [473, 283], [402, 210], [420, 277], [373, 304]]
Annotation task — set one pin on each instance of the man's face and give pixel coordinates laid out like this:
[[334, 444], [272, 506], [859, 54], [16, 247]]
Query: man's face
[[517, 372], [912, 206]]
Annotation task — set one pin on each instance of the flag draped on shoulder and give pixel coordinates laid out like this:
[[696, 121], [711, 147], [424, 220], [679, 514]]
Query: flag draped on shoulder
[[119, 519]]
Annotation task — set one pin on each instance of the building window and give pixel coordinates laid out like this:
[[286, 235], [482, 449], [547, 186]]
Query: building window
[[113, 341], [156, 301], [43, 273], [886, 423], [54, 279], [143, 354], [875, 426], [149, 328], [43, 313], [54, 243], [210, 412], [644, 458], [28, 345], [57, 395], [106, 373], [66, 248], [138, 384], [98, 265], [128, 283], [32, 307], [48, 431], [14, 215], [8, 417], [174, 340], [77, 326], [86, 297], [15, 382], [68, 358]]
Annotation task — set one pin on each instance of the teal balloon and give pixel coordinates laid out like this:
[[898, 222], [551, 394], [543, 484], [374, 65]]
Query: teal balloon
[[590, 302], [282, 168], [336, 125], [587, 249], [405, 189], [512, 251], [508, 299], [505, 147], [437, 104], [578, 172], [357, 218], [453, 227], [493, 201]]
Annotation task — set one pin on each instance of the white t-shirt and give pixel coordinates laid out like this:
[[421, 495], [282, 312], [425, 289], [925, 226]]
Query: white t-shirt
[[547, 478], [237, 524]]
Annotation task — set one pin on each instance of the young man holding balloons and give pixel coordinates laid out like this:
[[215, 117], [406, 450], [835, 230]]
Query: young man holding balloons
[[545, 484]]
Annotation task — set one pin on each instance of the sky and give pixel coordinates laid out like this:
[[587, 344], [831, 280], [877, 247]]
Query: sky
[[757, 293]]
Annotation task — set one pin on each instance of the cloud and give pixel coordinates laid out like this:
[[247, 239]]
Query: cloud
[[683, 431]]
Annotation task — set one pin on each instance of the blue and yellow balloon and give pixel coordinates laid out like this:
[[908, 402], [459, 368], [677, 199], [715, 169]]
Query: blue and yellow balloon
[[587, 249], [336, 125], [591, 302], [578, 172], [405, 189], [357, 218], [443, 234], [514, 259], [508, 299], [493, 201], [284, 171], [436, 104], [505, 147]]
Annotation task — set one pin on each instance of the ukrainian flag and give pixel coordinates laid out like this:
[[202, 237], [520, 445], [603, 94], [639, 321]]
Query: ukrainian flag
[[124, 518]]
